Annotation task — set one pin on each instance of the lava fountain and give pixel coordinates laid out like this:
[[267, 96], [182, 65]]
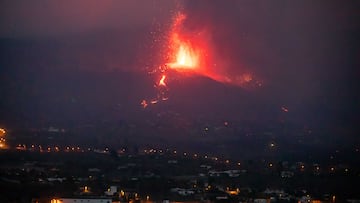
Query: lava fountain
[[183, 53]]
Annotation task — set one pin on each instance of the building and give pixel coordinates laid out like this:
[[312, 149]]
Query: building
[[111, 191]]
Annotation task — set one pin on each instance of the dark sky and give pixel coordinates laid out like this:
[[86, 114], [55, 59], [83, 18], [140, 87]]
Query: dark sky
[[306, 52], [53, 18]]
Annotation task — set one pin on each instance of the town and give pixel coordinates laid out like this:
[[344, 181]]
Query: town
[[70, 173]]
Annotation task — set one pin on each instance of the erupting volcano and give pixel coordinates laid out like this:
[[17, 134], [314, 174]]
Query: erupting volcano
[[182, 55], [190, 52]]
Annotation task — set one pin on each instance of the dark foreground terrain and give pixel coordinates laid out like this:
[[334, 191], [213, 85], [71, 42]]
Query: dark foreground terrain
[[158, 174]]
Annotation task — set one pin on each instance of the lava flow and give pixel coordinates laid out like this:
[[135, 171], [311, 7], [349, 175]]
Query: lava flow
[[162, 81]]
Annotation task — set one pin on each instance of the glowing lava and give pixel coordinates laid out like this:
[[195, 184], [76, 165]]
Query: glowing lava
[[185, 56], [162, 81], [183, 53]]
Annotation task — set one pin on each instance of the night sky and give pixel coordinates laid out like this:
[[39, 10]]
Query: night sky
[[306, 54]]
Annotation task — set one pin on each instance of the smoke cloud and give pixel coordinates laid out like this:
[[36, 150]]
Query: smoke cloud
[[300, 44]]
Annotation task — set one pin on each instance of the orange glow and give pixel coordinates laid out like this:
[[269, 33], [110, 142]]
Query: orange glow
[[86, 189], [2, 138], [162, 81], [233, 192], [2, 132], [244, 78]]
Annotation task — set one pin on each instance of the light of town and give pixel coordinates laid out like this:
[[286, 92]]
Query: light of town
[[2, 132]]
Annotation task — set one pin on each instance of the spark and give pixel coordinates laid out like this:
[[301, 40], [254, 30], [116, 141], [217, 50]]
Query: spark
[[144, 103], [284, 109]]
